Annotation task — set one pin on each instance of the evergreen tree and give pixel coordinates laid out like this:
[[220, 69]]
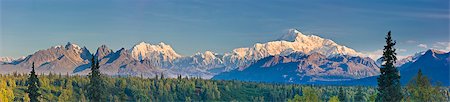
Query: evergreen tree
[[342, 95], [96, 85], [389, 88], [297, 98], [419, 89], [359, 96], [33, 86]]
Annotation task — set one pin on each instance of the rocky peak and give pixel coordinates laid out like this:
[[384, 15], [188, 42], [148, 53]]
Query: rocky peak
[[103, 51], [148, 51]]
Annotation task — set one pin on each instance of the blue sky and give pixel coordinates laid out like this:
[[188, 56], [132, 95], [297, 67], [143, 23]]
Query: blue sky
[[191, 26]]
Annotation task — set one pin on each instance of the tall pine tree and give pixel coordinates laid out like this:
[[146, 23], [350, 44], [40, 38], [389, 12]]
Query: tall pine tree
[[96, 87], [359, 96], [33, 86], [389, 87], [342, 95], [419, 88]]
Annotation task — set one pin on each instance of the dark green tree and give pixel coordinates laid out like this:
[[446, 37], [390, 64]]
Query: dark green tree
[[360, 96], [420, 89], [389, 88], [96, 87], [342, 95], [33, 86]]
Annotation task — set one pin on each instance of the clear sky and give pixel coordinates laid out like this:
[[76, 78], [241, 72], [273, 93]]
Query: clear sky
[[191, 26]]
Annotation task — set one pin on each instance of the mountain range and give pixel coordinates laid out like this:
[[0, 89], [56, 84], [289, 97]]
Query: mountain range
[[302, 68], [294, 57], [292, 69]]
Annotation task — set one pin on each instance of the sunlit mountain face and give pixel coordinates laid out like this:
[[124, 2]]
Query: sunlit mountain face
[[224, 51], [150, 59], [292, 58]]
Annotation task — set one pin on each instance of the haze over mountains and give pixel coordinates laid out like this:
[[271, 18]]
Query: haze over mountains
[[294, 57], [433, 63]]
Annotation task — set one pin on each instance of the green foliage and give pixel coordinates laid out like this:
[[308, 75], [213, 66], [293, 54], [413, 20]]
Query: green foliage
[[335, 99], [389, 87], [74, 89], [309, 95], [360, 96], [33, 86], [297, 98], [96, 87], [372, 98], [419, 89]]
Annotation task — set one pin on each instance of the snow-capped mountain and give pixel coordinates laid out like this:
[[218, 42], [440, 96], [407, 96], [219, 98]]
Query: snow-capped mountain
[[57, 59], [6, 59], [293, 41], [433, 63], [161, 52], [404, 61], [207, 60], [102, 52], [302, 68], [151, 59]]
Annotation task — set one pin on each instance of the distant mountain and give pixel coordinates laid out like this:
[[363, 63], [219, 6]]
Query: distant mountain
[[161, 53], [56, 59], [293, 41], [404, 61], [6, 59], [207, 60], [150, 59], [304, 68], [434, 65]]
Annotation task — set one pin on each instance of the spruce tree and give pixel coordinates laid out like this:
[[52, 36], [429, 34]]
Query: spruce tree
[[359, 96], [96, 85], [33, 86], [389, 88], [342, 95], [420, 89]]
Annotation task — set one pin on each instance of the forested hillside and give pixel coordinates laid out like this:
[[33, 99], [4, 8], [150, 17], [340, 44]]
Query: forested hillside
[[73, 88]]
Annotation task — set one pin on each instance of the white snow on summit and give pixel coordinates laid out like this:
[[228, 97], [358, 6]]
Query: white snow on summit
[[294, 41], [6, 59], [207, 58], [144, 50]]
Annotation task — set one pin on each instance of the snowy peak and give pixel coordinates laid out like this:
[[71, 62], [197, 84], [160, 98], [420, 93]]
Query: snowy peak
[[435, 54], [205, 61], [103, 51], [313, 43], [292, 35], [295, 35], [56, 59], [294, 41], [69, 45], [6, 59], [83, 51], [413, 58], [145, 50], [207, 55], [434, 51]]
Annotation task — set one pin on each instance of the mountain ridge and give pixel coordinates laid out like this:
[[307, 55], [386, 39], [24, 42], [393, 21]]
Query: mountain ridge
[[304, 68], [151, 59]]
